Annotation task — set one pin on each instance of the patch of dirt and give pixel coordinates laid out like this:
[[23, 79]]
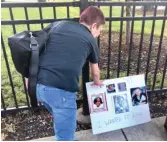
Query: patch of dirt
[[124, 52], [158, 104], [28, 125]]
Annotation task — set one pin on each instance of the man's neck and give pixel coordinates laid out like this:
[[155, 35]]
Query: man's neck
[[85, 25]]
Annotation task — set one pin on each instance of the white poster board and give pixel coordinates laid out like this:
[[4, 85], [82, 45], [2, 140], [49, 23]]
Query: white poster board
[[119, 103]]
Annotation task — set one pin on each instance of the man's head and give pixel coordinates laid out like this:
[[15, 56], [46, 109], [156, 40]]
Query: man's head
[[93, 18]]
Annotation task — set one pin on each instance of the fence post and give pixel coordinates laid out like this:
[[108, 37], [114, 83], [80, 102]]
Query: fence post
[[165, 125], [85, 71]]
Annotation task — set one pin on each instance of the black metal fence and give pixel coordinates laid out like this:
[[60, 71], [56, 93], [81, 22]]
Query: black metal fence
[[144, 52]]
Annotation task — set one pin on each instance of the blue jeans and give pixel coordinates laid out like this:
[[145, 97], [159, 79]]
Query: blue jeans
[[62, 105]]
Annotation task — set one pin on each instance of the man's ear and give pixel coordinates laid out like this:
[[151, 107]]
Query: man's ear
[[94, 25]]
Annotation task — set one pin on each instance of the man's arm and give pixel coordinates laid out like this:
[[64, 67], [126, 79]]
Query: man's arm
[[95, 72]]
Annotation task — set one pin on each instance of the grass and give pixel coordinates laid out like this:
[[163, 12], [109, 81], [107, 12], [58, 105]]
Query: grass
[[48, 13], [74, 12]]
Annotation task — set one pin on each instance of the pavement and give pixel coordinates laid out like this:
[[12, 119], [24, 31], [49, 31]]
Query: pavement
[[152, 131]]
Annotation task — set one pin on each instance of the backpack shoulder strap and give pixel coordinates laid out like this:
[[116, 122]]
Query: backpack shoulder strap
[[33, 70]]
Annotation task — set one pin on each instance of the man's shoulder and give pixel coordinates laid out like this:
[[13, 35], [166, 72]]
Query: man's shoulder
[[65, 22]]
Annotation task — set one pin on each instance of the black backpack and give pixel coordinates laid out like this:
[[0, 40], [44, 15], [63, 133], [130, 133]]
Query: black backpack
[[25, 49]]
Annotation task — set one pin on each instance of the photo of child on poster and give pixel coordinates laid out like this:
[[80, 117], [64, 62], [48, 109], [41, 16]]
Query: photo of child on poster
[[122, 87], [111, 88], [98, 103], [139, 96], [121, 104]]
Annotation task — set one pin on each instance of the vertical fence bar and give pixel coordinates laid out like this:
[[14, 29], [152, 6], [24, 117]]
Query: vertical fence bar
[[85, 71], [2, 100], [8, 69], [68, 12], [12, 18], [120, 42], [131, 41], [109, 44], [98, 42], [141, 41], [98, 39], [41, 17], [25, 89], [26, 14], [159, 50], [151, 39], [54, 12], [6, 60], [164, 72]]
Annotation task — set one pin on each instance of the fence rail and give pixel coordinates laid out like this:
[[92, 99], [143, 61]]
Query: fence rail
[[113, 59]]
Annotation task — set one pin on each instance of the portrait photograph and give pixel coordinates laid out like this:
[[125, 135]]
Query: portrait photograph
[[139, 96], [97, 102], [121, 103], [111, 88], [122, 87]]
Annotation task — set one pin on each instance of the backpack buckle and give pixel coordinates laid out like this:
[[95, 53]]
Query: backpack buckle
[[33, 42]]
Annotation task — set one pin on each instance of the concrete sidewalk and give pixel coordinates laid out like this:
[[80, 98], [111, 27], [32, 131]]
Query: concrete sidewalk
[[152, 131]]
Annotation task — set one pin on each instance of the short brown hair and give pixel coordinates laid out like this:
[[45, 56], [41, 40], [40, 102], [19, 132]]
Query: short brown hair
[[91, 15]]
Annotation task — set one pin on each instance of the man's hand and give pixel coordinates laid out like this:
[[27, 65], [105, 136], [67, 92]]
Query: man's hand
[[95, 72], [98, 84]]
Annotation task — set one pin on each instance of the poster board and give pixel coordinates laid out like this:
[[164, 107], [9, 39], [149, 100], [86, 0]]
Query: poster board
[[119, 103]]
